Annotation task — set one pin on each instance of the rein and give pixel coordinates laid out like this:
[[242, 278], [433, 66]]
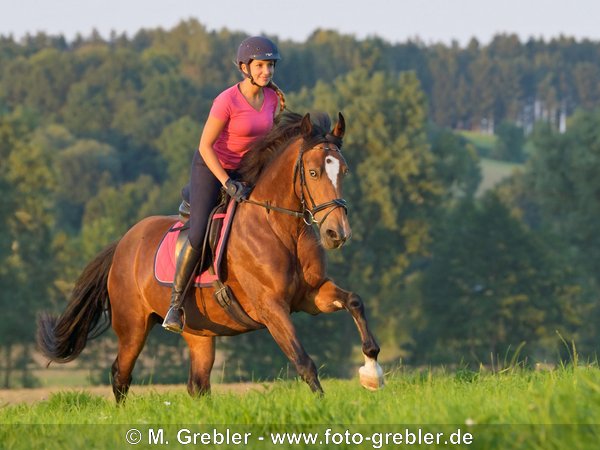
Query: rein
[[306, 214]]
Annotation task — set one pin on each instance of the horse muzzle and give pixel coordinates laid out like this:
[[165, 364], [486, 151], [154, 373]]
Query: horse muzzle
[[335, 237], [334, 227]]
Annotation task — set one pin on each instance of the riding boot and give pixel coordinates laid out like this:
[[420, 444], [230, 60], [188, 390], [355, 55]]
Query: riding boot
[[185, 270]]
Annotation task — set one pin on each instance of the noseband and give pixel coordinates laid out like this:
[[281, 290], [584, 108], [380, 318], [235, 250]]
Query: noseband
[[307, 214]]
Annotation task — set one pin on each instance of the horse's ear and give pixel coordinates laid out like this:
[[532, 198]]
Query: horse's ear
[[340, 127], [306, 126]]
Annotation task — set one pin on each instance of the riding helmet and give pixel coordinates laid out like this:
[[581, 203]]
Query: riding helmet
[[257, 47]]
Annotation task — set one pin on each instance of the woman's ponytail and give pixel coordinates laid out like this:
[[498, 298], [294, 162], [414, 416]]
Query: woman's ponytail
[[279, 93]]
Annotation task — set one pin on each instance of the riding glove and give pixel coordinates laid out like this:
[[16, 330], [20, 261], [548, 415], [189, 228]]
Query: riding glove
[[237, 190]]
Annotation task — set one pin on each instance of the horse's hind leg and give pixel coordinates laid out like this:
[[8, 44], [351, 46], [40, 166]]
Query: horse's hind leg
[[132, 337], [202, 358], [330, 298]]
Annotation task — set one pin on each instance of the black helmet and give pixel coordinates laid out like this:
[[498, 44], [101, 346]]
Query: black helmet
[[257, 47]]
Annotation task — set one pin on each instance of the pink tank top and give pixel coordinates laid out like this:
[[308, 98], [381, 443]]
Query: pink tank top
[[243, 123]]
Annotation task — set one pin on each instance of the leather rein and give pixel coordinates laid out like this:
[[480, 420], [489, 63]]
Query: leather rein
[[307, 214]]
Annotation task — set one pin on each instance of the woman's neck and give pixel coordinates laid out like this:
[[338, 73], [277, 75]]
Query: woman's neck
[[249, 89], [252, 93]]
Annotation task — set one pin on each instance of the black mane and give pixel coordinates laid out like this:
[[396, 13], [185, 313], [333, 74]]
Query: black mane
[[285, 129]]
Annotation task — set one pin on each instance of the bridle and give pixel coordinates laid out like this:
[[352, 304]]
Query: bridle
[[307, 214]]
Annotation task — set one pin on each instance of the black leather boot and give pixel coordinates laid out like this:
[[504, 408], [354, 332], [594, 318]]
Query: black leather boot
[[186, 268]]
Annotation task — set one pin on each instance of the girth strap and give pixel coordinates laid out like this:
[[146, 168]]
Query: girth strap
[[224, 296]]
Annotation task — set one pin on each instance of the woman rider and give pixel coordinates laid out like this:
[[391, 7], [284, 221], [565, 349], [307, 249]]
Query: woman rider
[[239, 116]]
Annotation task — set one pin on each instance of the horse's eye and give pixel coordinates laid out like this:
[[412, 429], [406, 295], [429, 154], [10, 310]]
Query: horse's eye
[[312, 173]]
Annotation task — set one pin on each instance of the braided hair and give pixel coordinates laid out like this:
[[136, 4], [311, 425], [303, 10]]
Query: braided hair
[[280, 94]]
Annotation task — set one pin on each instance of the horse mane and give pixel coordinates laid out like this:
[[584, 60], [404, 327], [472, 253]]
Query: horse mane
[[286, 128]]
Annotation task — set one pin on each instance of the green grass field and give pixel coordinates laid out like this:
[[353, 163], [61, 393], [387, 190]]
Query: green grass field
[[493, 171], [484, 143], [517, 409]]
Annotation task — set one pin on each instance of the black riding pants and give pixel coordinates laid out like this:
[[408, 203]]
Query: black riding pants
[[204, 193]]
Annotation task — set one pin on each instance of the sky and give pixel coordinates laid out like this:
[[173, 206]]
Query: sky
[[431, 21]]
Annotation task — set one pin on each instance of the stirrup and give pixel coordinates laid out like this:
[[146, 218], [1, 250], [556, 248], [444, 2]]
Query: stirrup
[[174, 324]]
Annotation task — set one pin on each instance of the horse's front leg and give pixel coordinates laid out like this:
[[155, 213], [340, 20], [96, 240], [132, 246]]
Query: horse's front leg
[[278, 322], [330, 298]]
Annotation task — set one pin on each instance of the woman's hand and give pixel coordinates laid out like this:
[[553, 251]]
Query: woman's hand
[[237, 190]]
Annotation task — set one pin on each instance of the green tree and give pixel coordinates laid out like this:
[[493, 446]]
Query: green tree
[[87, 110], [28, 184], [510, 143], [492, 285], [7, 246], [586, 76], [176, 145], [49, 78], [111, 212], [444, 68], [84, 167], [563, 175], [456, 163]]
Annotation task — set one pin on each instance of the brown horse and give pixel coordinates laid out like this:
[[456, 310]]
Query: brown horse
[[275, 265]]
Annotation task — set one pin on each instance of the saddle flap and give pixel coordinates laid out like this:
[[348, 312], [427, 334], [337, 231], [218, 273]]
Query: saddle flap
[[215, 225]]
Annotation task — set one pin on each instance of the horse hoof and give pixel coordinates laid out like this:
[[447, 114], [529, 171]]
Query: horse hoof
[[371, 375]]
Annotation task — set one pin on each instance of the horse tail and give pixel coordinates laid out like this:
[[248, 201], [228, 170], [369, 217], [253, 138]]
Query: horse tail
[[62, 339]]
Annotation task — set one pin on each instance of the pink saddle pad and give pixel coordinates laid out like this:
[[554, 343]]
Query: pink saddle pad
[[165, 259]]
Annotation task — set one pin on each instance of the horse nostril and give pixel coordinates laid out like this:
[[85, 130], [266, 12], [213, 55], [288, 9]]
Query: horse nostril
[[332, 234], [338, 238]]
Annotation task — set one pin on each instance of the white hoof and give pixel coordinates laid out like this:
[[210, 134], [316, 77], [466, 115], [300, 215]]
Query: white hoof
[[371, 375]]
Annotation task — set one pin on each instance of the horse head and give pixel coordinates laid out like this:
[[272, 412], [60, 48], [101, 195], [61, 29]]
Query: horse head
[[320, 171]]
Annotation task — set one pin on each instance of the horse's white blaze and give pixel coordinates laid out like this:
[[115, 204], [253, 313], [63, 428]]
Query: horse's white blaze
[[332, 167]]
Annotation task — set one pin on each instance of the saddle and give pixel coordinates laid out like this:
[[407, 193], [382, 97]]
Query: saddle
[[213, 247]]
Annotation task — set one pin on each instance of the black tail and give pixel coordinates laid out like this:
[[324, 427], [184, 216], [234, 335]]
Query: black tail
[[63, 338]]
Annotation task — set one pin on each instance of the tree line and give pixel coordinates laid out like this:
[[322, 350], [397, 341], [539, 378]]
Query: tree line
[[96, 134]]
